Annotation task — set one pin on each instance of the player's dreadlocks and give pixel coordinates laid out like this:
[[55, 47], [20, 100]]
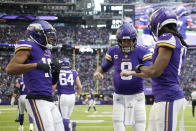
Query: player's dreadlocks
[[171, 28]]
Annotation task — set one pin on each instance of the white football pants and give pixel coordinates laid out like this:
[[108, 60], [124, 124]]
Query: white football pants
[[129, 110], [66, 105], [21, 103], [163, 115], [91, 103], [45, 114]]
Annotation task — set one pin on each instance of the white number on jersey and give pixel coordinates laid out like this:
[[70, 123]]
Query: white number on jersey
[[65, 80], [182, 52], [129, 65], [23, 86], [46, 61]]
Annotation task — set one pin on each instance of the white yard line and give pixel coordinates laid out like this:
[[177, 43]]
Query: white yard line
[[88, 121], [106, 112], [5, 109], [99, 116]]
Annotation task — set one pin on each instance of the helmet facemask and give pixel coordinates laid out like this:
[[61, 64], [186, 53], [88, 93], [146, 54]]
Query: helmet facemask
[[129, 48], [51, 38]]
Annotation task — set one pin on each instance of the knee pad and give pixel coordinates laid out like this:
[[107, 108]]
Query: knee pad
[[118, 115], [139, 125], [118, 125]]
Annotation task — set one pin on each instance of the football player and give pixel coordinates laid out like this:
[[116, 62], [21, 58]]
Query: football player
[[33, 59], [193, 98], [128, 98], [1, 92], [168, 60], [15, 95], [21, 102], [65, 87], [147, 39], [184, 20], [91, 102]]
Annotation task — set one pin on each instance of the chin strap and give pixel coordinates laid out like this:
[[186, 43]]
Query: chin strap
[[49, 46]]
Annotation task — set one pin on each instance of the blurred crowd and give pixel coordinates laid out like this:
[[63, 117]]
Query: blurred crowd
[[188, 79], [66, 35], [83, 36], [42, 1]]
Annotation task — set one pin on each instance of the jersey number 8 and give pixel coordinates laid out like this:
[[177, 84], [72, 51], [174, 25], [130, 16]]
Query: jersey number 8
[[129, 67]]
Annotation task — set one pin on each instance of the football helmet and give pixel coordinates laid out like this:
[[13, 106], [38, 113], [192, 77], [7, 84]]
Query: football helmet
[[160, 18], [149, 11], [43, 33], [181, 11], [126, 31], [64, 63]]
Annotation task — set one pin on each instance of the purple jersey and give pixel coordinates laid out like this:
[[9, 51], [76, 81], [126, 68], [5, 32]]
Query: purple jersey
[[91, 96], [166, 87], [66, 82], [38, 82], [23, 89], [145, 21], [115, 57], [182, 25]]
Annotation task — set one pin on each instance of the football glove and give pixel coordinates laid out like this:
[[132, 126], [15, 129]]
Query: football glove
[[55, 70], [44, 67], [55, 66]]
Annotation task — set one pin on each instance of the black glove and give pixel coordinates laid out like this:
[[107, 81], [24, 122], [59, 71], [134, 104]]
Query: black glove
[[55, 77], [44, 67], [55, 66], [137, 69]]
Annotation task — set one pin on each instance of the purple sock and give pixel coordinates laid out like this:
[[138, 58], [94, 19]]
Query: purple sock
[[73, 126], [66, 124], [21, 119], [30, 119], [94, 108]]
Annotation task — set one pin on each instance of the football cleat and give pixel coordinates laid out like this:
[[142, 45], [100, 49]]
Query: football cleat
[[21, 128]]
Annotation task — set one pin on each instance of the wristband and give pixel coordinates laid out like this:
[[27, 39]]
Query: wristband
[[137, 69]]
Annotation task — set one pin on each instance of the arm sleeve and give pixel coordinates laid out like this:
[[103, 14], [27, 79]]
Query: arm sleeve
[[147, 57], [22, 46], [108, 60], [167, 40]]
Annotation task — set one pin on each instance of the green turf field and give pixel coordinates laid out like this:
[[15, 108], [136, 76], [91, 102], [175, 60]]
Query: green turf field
[[100, 121]]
